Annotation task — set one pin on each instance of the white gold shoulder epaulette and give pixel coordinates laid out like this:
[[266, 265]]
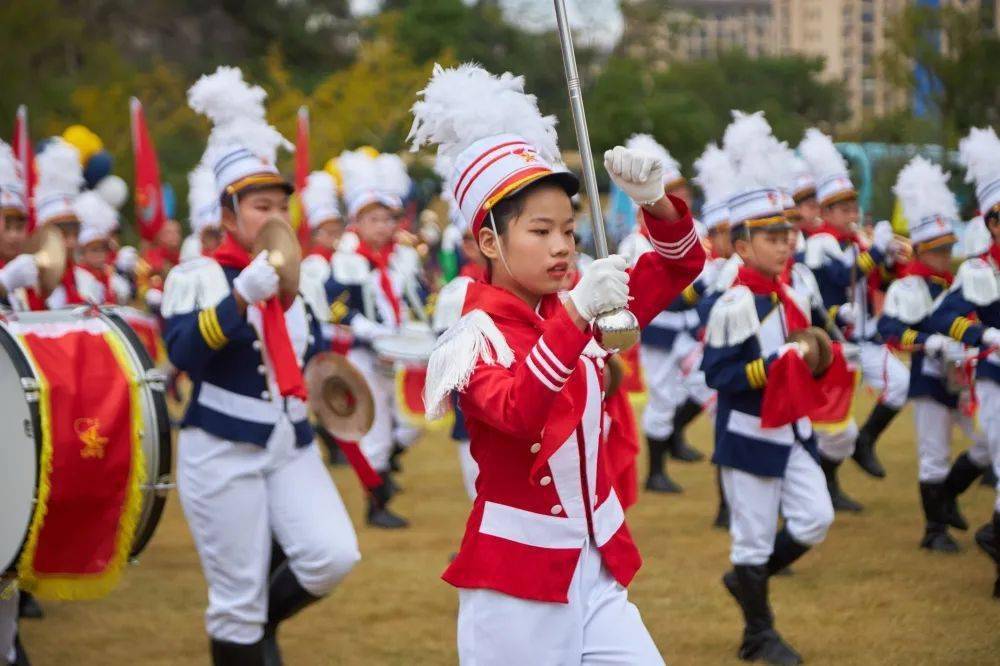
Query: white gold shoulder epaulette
[[193, 285], [732, 319], [908, 300], [821, 247], [349, 268], [979, 282]]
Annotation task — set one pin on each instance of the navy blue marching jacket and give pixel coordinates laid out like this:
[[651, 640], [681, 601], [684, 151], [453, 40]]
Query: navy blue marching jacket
[[742, 339], [976, 290], [222, 353], [906, 321], [356, 298]]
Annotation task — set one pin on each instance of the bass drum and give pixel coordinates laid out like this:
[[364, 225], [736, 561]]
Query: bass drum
[[21, 448]]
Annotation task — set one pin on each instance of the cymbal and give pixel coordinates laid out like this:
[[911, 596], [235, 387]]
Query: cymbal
[[819, 350], [339, 396], [283, 252], [49, 250]]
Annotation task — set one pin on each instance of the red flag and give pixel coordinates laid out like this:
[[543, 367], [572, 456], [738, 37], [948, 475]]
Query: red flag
[[25, 155], [302, 172], [149, 210]]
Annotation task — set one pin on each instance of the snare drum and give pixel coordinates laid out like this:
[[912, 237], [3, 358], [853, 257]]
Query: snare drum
[[85, 456], [410, 348]]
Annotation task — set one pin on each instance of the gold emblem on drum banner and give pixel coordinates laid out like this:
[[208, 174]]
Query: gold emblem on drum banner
[[93, 441]]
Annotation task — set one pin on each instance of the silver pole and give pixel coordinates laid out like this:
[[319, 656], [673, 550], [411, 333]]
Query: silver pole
[[582, 135], [616, 330]]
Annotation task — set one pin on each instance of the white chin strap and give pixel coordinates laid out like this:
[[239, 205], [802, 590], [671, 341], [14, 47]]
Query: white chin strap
[[503, 259]]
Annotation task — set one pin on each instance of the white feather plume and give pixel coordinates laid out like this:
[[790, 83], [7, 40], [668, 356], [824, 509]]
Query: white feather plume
[[392, 176], [463, 104], [358, 172], [822, 156], [203, 198], [715, 174], [320, 189], [10, 171], [980, 155], [922, 188], [59, 170], [758, 158], [647, 145], [98, 219]]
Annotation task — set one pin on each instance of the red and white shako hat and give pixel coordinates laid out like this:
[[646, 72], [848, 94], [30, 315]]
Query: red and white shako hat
[[928, 204], [60, 179], [242, 147], [829, 168], [491, 137], [761, 167]]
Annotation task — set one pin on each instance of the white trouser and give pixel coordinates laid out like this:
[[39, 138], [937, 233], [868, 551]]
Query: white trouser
[[665, 387], [838, 444], [988, 393], [236, 497], [8, 622], [598, 626], [470, 468], [387, 427], [934, 423], [885, 373], [754, 503]]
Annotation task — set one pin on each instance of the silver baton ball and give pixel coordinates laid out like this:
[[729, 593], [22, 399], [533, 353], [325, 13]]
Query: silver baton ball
[[618, 329]]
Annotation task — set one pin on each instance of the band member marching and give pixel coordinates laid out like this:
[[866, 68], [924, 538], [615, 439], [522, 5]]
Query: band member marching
[[763, 438], [96, 279], [922, 189], [665, 343], [17, 271], [546, 544], [248, 470], [379, 285]]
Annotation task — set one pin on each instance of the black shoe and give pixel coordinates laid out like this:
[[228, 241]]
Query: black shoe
[[864, 446], [786, 550], [225, 653], [841, 501], [770, 648], [29, 608], [285, 598], [933, 500], [761, 642], [395, 464], [658, 481], [986, 540], [385, 519], [962, 474], [996, 552], [677, 444], [989, 478], [939, 541]]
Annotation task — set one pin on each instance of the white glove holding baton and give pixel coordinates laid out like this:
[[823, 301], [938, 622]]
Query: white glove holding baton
[[639, 176], [22, 271], [258, 281], [603, 287]]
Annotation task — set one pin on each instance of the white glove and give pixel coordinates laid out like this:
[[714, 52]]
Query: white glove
[[153, 298], [258, 281], [797, 348], [126, 260], [22, 271], [935, 344], [639, 176], [991, 337], [603, 287], [883, 236], [848, 314]]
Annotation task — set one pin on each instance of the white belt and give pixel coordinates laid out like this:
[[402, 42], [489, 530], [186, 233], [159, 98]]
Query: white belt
[[246, 408]]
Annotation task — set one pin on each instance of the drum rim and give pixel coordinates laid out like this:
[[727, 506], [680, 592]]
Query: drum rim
[[165, 458], [25, 371]]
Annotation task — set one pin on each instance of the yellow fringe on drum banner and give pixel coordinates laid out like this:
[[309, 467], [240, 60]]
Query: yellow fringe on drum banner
[[77, 587], [415, 419]]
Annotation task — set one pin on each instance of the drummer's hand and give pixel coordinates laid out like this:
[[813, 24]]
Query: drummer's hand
[[603, 287], [22, 271], [257, 282], [641, 178]]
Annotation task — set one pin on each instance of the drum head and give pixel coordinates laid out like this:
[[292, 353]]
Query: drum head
[[18, 453], [409, 347]]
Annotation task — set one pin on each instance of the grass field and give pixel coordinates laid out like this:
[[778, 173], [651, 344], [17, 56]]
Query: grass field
[[867, 595]]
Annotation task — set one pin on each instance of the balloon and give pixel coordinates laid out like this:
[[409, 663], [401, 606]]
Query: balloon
[[97, 167], [84, 140], [169, 200], [113, 190], [332, 167]]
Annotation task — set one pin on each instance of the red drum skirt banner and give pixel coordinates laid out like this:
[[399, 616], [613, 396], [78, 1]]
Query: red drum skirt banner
[[92, 470]]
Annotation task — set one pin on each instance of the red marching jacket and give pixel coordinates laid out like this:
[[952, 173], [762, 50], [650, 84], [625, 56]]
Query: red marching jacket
[[531, 391]]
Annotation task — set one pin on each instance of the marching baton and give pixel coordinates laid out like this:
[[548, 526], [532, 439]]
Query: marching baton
[[618, 329]]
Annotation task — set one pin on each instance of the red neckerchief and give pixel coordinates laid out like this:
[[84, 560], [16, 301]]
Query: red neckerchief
[[920, 269], [380, 260], [786, 275], [277, 343], [104, 277], [320, 251], [839, 234], [473, 270], [761, 285], [36, 302], [994, 253], [160, 259]]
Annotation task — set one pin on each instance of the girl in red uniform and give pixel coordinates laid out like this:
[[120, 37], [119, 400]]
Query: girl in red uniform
[[546, 556]]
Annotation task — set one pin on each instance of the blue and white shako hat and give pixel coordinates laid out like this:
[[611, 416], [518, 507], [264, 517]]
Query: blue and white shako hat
[[492, 140], [242, 147], [12, 198], [928, 204], [758, 201], [715, 175], [829, 168], [98, 218], [370, 178], [60, 179], [319, 199], [647, 145], [979, 153]]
